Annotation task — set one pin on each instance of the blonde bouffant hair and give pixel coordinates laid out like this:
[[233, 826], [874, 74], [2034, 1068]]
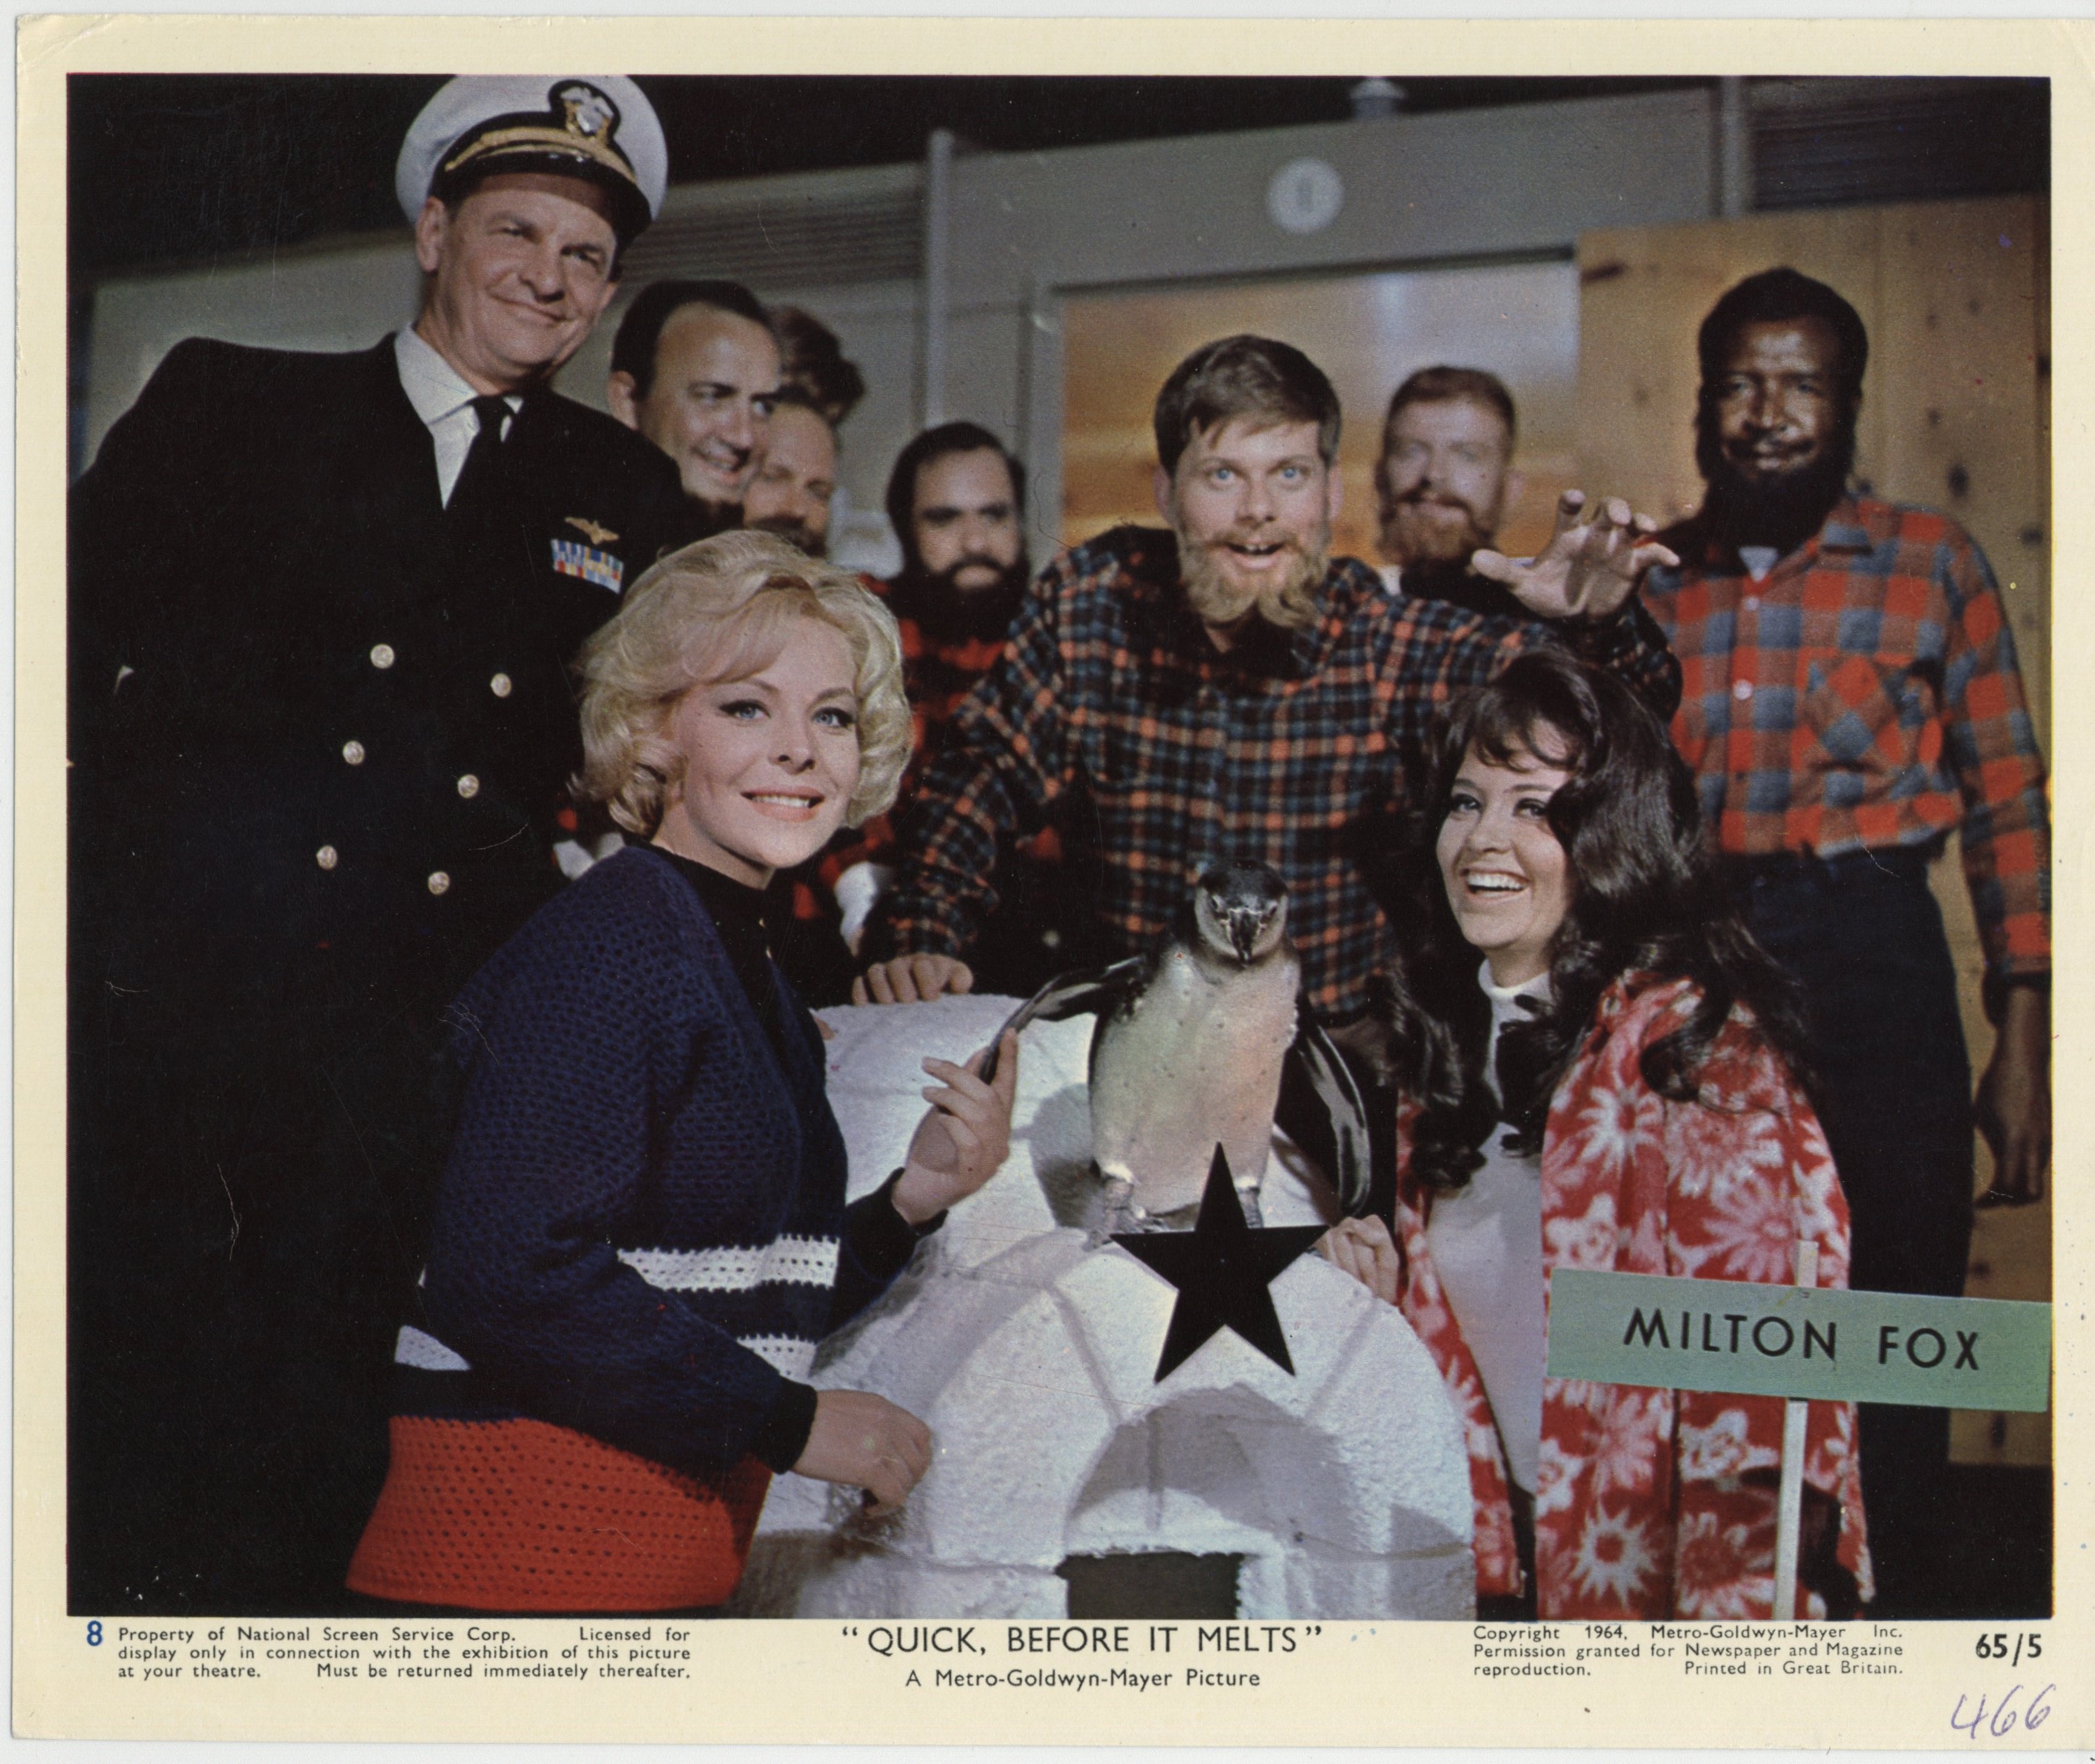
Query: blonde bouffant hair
[[722, 610]]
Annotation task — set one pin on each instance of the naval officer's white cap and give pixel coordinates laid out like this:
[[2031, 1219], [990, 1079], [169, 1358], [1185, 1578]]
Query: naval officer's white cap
[[599, 127]]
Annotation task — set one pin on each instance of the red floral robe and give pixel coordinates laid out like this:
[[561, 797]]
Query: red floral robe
[[1658, 1503]]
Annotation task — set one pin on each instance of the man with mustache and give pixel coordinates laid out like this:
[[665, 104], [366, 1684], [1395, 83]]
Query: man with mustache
[[1227, 689], [1851, 695], [1442, 486], [695, 367]]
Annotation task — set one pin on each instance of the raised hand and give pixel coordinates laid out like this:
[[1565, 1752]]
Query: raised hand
[[963, 1138], [1588, 568]]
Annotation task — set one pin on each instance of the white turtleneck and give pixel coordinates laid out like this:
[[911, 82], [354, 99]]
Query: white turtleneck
[[1486, 1241]]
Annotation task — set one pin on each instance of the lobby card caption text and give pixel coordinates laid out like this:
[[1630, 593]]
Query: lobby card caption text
[[2006, 1693]]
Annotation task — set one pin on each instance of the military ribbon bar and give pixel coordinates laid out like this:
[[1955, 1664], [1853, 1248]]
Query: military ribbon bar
[[571, 558]]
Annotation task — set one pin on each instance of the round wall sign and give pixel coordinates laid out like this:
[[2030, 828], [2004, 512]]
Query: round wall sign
[[1305, 196]]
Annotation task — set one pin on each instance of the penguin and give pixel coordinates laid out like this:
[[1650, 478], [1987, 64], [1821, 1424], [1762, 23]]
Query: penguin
[[1189, 1049]]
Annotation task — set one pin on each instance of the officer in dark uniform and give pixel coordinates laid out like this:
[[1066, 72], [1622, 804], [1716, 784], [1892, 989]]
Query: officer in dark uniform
[[321, 609]]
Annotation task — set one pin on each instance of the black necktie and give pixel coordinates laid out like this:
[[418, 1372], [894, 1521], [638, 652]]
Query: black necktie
[[483, 471]]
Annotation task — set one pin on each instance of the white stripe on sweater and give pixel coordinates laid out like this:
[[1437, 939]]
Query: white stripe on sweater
[[418, 1348], [788, 1356], [799, 1260]]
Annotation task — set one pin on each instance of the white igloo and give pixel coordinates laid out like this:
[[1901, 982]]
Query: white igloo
[[1343, 1490]]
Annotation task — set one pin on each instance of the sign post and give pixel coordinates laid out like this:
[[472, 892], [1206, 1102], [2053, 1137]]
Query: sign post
[[1789, 1503]]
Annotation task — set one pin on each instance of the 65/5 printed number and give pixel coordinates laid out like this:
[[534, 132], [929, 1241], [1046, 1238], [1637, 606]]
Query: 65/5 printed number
[[1998, 1646]]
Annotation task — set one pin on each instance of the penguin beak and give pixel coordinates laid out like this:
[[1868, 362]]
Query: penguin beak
[[1243, 924]]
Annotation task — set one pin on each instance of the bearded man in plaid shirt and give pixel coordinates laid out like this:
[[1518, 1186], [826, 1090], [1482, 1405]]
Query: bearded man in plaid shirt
[[1851, 697], [1227, 689]]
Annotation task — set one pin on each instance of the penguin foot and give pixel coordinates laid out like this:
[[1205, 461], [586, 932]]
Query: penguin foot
[[1117, 1213]]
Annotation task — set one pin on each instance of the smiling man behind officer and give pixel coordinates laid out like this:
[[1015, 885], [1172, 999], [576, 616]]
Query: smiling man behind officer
[[321, 609], [695, 368]]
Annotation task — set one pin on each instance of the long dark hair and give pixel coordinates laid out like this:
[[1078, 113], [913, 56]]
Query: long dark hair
[[1645, 898]]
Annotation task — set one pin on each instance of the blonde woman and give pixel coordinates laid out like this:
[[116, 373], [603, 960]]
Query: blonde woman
[[641, 1234]]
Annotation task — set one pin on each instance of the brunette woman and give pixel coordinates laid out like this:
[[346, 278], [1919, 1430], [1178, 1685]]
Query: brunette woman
[[1600, 1068]]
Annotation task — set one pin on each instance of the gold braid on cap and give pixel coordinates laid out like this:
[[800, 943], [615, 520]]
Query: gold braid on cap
[[541, 139], [589, 121]]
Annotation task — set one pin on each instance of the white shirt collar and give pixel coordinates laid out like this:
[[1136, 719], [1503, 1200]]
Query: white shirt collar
[[433, 386], [443, 399]]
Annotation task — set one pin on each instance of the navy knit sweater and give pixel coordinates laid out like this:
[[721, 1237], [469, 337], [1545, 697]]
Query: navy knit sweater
[[641, 1232]]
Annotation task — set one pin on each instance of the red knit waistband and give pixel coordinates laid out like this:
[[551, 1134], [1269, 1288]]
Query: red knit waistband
[[520, 1515]]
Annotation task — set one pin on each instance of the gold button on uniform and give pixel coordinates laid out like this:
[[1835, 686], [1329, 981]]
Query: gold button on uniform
[[468, 786], [353, 752], [327, 857], [382, 656], [439, 882], [502, 685]]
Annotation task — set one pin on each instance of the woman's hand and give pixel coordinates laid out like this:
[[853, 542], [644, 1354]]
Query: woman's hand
[[963, 1139], [1364, 1249], [865, 1441]]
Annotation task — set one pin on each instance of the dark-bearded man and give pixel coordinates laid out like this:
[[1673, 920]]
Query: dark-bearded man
[[957, 499], [1852, 695], [1226, 690]]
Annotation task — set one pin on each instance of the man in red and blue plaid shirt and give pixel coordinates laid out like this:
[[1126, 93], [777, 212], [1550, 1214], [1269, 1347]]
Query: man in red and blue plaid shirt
[[957, 499], [1850, 697], [1227, 690]]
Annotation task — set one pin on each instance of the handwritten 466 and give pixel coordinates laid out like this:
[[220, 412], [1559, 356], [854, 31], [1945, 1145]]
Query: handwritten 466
[[2006, 1717]]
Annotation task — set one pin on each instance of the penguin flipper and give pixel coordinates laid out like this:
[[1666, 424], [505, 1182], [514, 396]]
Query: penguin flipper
[[1345, 1116], [1068, 995]]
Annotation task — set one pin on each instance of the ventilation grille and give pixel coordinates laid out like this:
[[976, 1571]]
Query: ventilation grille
[[795, 240], [1821, 143]]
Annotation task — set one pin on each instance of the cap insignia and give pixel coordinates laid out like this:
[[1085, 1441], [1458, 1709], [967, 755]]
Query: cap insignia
[[590, 114]]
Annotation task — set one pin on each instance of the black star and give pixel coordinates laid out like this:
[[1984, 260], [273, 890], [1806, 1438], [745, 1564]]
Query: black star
[[1221, 1268]]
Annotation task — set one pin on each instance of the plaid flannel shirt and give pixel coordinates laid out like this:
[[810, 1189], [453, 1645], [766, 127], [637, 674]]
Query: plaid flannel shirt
[[1864, 693], [937, 673], [1295, 752]]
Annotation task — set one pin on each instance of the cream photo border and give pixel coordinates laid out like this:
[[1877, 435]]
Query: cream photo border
[[1374, 1684]]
